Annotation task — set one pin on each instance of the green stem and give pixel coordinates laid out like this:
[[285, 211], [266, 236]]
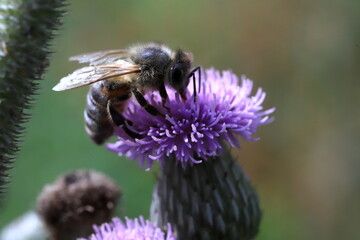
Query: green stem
[[26, 28]]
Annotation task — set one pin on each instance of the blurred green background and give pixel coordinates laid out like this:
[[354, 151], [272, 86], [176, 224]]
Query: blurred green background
[[304, 54]]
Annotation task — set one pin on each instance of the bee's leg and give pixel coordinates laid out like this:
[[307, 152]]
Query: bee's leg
[[119, 120], [192, 74], [164, 95], [143, 103]]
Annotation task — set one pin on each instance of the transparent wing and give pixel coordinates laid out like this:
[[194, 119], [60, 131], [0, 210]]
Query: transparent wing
[[90, 74], [102, 57]]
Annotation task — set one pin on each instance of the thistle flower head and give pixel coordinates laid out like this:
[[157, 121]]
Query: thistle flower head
[[138, 229], [193, 130]]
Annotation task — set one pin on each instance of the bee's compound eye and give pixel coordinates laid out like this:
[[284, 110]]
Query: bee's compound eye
[[177, 73]]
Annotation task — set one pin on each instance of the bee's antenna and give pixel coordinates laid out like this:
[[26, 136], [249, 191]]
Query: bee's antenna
[[194, 82], [192, 74], [199, 73]]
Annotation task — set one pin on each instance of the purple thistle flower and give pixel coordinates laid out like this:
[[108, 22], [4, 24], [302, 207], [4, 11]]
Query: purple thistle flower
[[193, 131], [136, 229]]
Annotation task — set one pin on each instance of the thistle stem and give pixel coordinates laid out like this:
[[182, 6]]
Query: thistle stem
[[26, 28]]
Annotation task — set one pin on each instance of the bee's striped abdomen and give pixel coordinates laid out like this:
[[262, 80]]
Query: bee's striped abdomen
[[98, 124]]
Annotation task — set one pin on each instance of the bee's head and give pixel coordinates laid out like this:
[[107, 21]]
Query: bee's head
[[179, 72]]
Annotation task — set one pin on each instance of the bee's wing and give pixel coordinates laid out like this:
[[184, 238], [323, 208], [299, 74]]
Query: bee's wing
[[102, 57], [90, 74]]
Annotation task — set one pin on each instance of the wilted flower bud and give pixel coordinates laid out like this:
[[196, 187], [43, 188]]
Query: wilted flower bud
[[75, 202]]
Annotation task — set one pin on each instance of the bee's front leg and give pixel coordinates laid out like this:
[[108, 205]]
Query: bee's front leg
[[164, 96], [120, 121], [143, 103]]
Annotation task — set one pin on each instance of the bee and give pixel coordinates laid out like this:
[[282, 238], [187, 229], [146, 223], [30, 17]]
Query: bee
[[117, 75]]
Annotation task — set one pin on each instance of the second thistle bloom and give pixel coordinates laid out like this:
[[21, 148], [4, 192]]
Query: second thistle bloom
[[132, 229], [193, 130]]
